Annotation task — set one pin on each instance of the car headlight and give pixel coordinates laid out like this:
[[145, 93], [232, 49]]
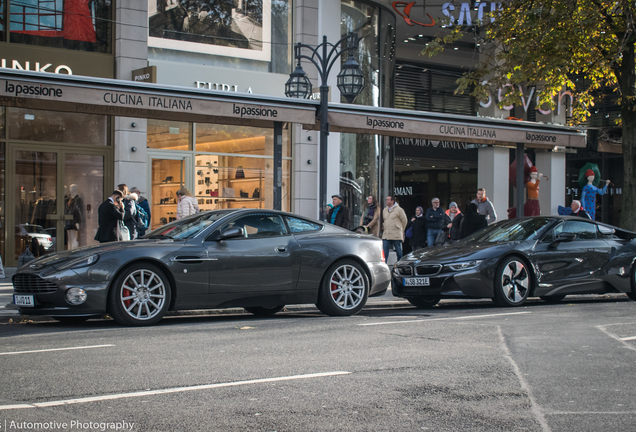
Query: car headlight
[[84, 261], [76, 296], [467, 265]]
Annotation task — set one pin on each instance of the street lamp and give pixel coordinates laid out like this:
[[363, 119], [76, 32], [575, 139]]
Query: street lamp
[[350, 82]]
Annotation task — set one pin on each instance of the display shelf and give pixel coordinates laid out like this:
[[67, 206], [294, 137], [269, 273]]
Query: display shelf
[[248, 179], [167, 184], [165, 205]]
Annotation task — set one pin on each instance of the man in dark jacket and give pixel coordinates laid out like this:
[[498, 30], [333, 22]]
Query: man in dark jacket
[[145, 205], [418, 231], [110, 213], [434, 222], [472, 221], [339, 215]]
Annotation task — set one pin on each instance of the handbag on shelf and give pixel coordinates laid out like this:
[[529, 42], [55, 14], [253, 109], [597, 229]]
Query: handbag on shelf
[[244, 194], [229, 193], [240, 174], [257, 193], [214, 193]]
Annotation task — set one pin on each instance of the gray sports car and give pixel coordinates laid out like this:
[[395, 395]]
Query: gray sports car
[[260, 260]]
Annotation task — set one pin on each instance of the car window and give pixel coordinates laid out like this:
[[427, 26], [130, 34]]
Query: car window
[[259, 225], [187, 228], [583, 230], [300, 225]]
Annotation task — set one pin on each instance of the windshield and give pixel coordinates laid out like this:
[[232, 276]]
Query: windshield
[[187, 228], [510, 230]]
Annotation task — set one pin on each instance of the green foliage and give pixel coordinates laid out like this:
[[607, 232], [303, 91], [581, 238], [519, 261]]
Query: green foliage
[[581, 45]]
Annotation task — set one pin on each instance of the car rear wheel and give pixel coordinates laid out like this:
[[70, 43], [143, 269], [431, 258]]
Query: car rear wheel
[[512, 282], [264, 311], [344, 289], [140, 296], [424, 302], [552, 299]]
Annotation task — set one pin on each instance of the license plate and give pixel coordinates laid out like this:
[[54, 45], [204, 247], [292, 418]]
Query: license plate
[[423, 281], [23, 300]]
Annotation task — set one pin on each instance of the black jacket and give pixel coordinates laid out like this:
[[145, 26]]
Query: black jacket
[[419, 231], [434, 218], [343, 217], [582, 213], [109, 216], [454, 230], [130, 217], [472, 221]]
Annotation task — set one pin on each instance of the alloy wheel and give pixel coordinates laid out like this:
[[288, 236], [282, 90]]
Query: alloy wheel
[[143, 294], [347, 287], [515, 281]]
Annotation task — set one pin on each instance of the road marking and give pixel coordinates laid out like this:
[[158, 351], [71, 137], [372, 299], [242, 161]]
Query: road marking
[[628, 338], [592, 413], [613, 336], [56, 349], [536, 410], [167, 391], [447, 318]]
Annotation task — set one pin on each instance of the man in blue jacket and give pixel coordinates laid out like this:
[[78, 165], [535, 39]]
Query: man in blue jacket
[[434, 222]]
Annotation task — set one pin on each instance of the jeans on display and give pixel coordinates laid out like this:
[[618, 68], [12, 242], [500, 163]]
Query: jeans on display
[[431, 235], [397, 244]]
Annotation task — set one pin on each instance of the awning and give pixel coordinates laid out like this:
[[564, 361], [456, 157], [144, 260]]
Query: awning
[[145, 100]]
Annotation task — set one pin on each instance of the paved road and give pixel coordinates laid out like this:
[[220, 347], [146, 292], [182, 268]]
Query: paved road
[[460, 366]]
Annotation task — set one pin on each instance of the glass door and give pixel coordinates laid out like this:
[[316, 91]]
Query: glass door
[[54, 195], [168, 174]]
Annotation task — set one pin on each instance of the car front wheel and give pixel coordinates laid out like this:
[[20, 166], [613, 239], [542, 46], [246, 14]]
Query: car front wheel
[[512, 282], [344, 289], [140, 296]]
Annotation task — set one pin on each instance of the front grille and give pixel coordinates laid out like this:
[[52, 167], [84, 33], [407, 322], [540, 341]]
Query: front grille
[[428, 270], [405, 271], [32, 284]]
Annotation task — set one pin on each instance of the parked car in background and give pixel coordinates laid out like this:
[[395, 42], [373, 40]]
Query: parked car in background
[[35, 237], [260, 260], [544, 256]]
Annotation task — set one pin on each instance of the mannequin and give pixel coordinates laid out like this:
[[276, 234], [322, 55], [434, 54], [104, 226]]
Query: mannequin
[[75, 219], [531, 207], [588, 198]]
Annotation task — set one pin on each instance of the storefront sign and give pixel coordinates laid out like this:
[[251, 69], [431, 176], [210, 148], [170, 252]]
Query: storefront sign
[[418, 142], [463, 16], [405, 13], [147, 74], [220, 86], [401, 191], [37, 66]]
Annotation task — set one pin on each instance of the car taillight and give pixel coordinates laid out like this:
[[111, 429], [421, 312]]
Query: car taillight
[[382, 252], [49, 239]]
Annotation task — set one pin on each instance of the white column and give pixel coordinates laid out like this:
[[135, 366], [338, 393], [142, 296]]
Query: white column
[[492, 175], [551, 192]]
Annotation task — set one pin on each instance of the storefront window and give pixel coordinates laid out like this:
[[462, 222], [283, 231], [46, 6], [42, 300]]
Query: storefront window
[[71, 24], [168, 176], [1, 20], [57, 127], [238, 139], [169, 135]]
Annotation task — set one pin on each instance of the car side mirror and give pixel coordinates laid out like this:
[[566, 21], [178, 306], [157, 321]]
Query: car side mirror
[[562, 238], [233, 232]]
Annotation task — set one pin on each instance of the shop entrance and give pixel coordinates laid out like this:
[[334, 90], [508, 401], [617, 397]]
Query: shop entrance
[[53, 193], [168, 174]]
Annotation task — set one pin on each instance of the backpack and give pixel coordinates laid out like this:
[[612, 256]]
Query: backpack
[[142, 218]]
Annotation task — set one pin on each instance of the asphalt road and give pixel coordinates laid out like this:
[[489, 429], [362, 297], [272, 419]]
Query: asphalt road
[[460, 366]]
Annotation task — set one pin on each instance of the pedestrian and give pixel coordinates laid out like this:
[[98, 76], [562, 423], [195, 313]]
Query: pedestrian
[[370, 218], [145, 205], [187, 205], [339, 215], [472, 221], [434, 222], [393, 227], [130, 213], [417, 225], [577, 210], [110, 217], [452, 221], [485, 207]]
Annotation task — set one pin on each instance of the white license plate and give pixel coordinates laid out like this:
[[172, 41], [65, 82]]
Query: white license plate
[[423, 281], [23, 300]]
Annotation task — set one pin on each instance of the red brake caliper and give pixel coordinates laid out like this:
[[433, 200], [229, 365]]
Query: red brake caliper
[[126, 293], [334, 288]]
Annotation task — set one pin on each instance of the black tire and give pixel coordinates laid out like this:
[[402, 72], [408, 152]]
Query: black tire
[[513, 282], [72, 320], [264, 311], [552, 299], [346, 299], [133, 305], [426, 302], [632, 293]]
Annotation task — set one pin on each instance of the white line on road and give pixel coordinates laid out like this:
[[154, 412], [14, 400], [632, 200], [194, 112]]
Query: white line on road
[[592, 413], [167, 391], [56, 349], [536, 410], [613, 336], [628, 338], [447, 318]]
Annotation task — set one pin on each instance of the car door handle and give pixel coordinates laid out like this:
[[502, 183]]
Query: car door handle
[[281, 249]]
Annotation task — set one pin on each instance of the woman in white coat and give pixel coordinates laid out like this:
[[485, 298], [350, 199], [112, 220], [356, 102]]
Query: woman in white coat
[[187, 204]]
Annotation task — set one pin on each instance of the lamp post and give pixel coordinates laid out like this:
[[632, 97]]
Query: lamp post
[[350, 82]]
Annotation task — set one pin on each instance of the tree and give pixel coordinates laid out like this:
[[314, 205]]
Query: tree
[[545, 44]]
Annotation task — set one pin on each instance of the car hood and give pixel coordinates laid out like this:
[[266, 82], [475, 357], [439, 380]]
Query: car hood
[[58, 259], [457, 252]]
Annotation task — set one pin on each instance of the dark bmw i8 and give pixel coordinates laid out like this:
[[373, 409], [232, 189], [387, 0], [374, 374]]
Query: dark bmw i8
[[547, 257], [256, 259]]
